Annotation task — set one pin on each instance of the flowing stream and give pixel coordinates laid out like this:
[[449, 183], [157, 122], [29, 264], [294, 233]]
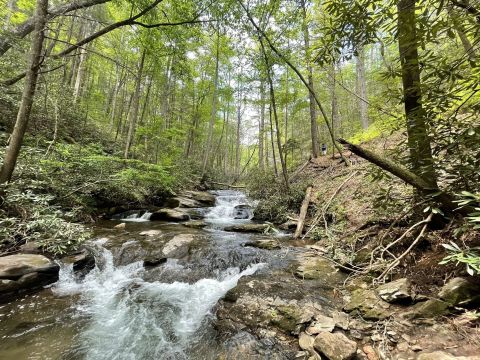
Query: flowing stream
[[122, 310]]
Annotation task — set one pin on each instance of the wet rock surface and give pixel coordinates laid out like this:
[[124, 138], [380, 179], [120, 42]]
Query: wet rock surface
[[25, 272], [174, 215], [267, 244], [248, 228]]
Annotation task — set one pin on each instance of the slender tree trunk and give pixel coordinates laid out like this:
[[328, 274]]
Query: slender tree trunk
[[135, 106], [274, 158], [362, 87], [311, 97], [261, 127], [237, 147], [333, 95], [275, 116], [213, 114], [23, 115], [418, 140]]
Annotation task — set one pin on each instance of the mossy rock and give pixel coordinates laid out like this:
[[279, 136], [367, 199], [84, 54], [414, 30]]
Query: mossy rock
[[368, 304]]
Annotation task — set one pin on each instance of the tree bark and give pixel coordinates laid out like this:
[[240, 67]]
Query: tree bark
[[311, 98], [36, 58], [135, 106], [424, 186], [275, 116], [261, 128], [303, 213], [213, 113]]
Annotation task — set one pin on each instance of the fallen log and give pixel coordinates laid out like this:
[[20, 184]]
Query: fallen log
[[303, 213], [445, 200]]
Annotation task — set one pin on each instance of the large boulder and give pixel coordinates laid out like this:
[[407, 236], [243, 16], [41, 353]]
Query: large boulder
[[242, 212], [178, 247], [335, 346], [169, 215], [460, 292], [253, 228], [203, 197], [368, 304], [196, 224], [24, 272], [83, 261], [396, 291]]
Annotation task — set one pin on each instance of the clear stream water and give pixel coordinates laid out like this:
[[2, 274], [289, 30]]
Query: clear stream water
[[121, 310]]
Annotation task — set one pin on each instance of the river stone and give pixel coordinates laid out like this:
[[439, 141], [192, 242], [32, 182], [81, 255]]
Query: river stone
[[120, 226], [428, 309], [83, 261], [151, 261], [151, 233], [460, 291], [242, 212], [306, 341], [267, 244], [441, 355], [368, 304], [321, 323], [335, 346], [14, 266], [342, 320], [25, 272], [169, 215], [203, 197], [317, 268], [196, 224], [396, 291], [253, 228], [178, 247]]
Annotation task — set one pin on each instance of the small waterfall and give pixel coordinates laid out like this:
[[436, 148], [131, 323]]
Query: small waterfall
[[129, 318], [227, 205], [133, 216]]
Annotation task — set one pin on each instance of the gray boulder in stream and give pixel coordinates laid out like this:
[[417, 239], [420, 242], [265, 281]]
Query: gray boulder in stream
[[242, 212], [179, 246], [24, 272], [246, 228], [169, 215]]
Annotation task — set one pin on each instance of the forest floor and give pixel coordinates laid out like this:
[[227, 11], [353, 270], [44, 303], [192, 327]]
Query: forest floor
[[419, 310]]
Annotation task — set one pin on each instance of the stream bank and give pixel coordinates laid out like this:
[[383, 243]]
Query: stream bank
[[191, 290]]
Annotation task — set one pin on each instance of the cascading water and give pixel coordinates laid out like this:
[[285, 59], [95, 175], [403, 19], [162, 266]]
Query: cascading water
[[227, 204], [129, 318], [122, 310]]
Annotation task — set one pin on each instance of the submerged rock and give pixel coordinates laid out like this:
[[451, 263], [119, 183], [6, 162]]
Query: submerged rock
[[368, 304], [460, 292], [196, 224], [253, 228], [267, 244], [151, 233], [396, 291], [169, 215], [24, 272], [151, 261], [178, 247], [335, 346]]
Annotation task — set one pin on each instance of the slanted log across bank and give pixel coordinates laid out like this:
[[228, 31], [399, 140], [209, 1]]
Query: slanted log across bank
[[445, 200]]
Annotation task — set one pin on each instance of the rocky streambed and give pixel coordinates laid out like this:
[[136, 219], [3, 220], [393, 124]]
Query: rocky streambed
[[202, 281]]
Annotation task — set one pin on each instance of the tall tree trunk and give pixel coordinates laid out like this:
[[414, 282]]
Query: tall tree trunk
[[261, 128], [213, 114], [333, 95], [311, 97], [418, 140], [135, 106], [362, 86], [274, 157], [275, 116], [23, 115], [237, 147]]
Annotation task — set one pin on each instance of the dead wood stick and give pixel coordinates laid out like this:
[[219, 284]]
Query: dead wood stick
[[303, 212], [395, 262]]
